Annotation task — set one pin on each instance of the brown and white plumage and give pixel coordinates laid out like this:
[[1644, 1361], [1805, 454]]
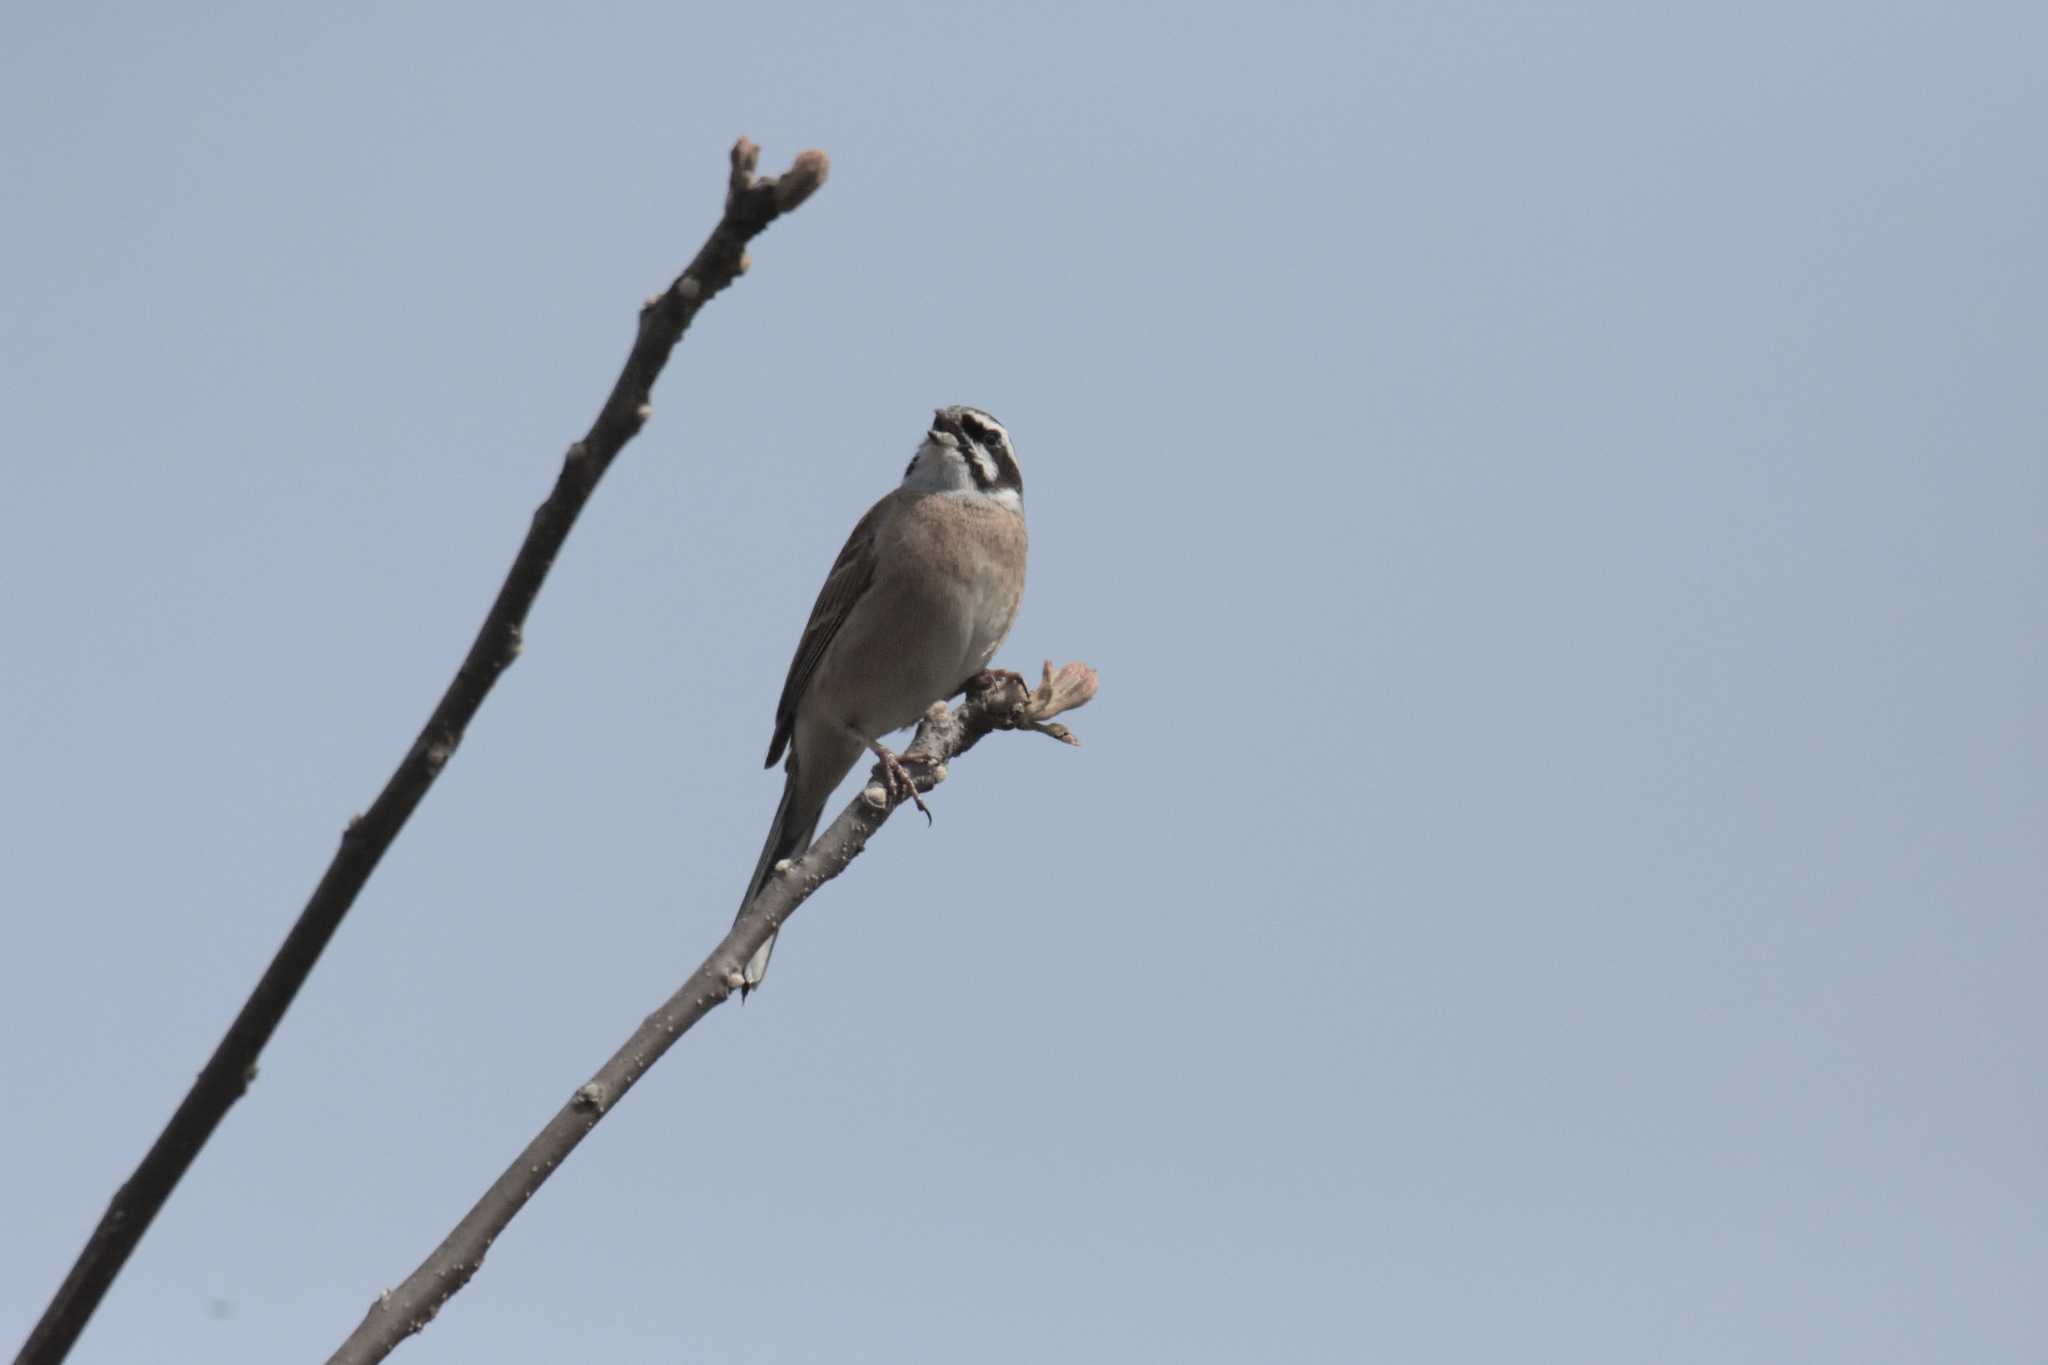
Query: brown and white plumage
[[916, 604]]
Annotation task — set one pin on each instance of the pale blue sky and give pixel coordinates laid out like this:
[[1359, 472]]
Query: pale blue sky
[[1556, 495]]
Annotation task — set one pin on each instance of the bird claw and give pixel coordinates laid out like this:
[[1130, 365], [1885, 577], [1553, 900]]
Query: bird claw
[[901, 785]]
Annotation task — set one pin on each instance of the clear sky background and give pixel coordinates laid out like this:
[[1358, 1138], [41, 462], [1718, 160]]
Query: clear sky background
[[1556, 495]]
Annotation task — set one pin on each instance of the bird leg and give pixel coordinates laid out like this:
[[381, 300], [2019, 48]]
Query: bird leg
[[901, 784]]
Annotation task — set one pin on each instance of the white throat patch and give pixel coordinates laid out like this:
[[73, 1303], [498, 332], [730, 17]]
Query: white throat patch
[[943, 469]]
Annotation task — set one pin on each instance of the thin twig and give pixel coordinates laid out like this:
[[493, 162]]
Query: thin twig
[[751, 204], [1001, 703]]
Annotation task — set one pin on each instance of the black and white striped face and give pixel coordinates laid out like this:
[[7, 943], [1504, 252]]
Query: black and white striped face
[[967, 450]]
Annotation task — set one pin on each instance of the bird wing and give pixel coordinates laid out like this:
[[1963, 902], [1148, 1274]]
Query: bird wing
[[851, 575]]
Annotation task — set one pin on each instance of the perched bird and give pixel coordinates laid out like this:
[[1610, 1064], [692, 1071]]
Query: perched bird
[[915, 605]]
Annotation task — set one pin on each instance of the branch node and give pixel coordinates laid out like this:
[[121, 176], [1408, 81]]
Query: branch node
[[802, 179], [745, 157]]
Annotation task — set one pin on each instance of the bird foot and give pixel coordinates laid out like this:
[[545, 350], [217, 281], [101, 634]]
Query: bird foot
[[989, 679], [901, 784]]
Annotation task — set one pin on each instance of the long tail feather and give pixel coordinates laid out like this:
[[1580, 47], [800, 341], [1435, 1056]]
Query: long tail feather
[[789, 834]]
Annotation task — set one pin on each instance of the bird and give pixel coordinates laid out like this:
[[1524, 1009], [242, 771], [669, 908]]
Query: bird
[[915, 605]]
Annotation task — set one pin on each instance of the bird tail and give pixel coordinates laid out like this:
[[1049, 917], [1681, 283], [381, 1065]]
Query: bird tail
[[788, 835]]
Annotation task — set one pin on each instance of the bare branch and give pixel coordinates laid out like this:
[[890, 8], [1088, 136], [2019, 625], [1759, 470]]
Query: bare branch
[[751, 204], [996, 702]]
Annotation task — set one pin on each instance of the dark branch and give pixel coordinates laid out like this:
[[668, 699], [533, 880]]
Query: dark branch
[[1000, 703], [751, 204]]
